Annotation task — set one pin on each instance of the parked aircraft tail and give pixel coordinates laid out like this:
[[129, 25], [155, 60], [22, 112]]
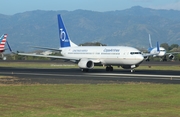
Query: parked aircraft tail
[[63, 35], [150, 42], [9, 47], [3, 42], [158, 50]]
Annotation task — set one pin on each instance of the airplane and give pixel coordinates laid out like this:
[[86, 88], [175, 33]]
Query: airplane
[[162, 52], [89, 56], [2, 45]]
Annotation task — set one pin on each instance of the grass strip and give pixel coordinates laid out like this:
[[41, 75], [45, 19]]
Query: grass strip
[[67, 66], [100, 100]]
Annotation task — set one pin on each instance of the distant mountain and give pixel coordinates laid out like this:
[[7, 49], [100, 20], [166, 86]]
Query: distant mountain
[[122, 27]]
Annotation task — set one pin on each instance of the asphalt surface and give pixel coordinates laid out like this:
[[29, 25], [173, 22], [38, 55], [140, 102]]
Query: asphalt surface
[[95, 76]]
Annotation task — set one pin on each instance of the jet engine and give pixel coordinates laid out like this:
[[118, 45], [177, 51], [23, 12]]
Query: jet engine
[[171, 57], [86, 64]]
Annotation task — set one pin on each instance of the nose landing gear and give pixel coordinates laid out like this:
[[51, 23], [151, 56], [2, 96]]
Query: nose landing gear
[[132, 70]]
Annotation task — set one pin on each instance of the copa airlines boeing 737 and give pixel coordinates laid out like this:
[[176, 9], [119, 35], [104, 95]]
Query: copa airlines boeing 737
[[162, 52], [88, 56]]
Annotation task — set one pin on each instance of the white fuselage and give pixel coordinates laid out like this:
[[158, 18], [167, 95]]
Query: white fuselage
[[106, 55], [161, 53]]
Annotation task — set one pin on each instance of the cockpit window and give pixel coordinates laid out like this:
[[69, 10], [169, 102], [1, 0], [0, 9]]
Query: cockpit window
[[135, 53]]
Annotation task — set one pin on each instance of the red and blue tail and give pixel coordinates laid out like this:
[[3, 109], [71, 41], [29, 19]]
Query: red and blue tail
[[3, 42]]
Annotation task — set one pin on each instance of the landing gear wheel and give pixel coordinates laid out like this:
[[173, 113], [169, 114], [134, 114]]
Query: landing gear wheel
[[148, 60], [132, 70], [84, 70], [109, 68], [164, 59]]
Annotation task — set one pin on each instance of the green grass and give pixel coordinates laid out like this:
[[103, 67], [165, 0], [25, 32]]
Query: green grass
[[102, 100], [66, 66], [37, 65], [88, 100]]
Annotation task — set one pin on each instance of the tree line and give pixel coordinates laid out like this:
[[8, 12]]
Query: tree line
[[171, 48]]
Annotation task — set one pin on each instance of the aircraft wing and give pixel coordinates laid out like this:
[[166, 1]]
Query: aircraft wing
[[148, 54], [55, 49], [74, 59], [49, 56]]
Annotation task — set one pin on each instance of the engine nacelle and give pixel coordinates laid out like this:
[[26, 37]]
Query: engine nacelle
[[4, 58], [86, 64], [129, 66], [171, 57]]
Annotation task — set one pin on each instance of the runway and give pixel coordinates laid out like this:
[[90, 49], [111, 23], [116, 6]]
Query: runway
[[95, 76]]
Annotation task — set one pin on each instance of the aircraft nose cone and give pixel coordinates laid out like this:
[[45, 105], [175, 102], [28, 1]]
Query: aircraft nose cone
[[141, 58], [161, 54]]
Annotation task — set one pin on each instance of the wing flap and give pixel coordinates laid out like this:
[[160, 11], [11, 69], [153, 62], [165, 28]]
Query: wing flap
[[49, 56], [55, 49]]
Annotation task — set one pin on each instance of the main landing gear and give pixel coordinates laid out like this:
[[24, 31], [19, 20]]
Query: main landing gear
[[3, 57], [109, 68], [148, 59], [164, 59]]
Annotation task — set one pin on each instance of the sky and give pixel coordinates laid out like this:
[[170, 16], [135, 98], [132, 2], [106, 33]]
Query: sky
[[11, 7]]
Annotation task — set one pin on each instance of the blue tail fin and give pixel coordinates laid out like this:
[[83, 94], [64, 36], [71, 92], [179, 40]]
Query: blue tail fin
[[9, 46], [64, 38], [158, 47], [150, 44]]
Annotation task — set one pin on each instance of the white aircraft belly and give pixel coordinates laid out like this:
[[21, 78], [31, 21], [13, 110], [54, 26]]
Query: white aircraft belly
[[119, 61]]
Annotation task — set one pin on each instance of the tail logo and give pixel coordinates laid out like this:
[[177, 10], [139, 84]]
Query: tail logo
[[63, 36], [3, 41]]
